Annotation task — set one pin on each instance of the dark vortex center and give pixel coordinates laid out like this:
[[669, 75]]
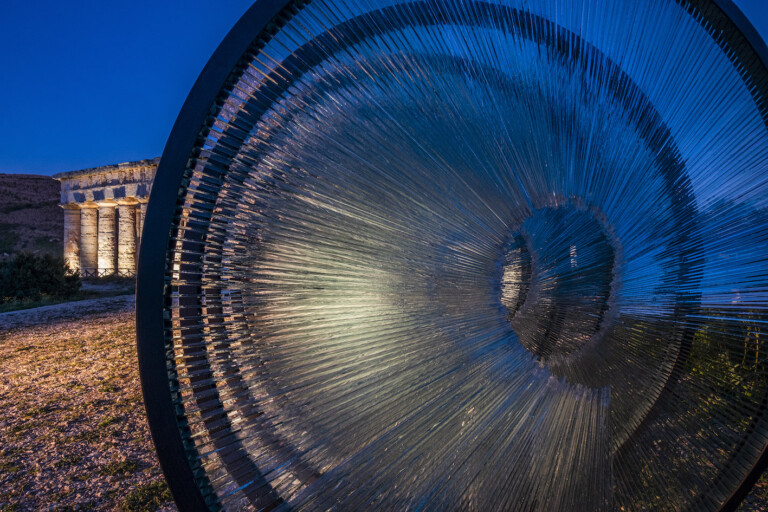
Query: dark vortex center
[[557, 280]]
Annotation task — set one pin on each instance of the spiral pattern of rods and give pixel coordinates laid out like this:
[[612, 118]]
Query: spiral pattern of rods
[[465, 255]]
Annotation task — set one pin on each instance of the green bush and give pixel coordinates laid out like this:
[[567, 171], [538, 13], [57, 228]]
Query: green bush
[[31, 277]]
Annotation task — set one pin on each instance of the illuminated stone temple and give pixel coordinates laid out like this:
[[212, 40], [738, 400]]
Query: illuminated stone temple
[[104, 209]]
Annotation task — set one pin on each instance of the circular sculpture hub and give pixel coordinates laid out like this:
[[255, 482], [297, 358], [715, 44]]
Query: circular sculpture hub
[[558, 278], [476, 255]]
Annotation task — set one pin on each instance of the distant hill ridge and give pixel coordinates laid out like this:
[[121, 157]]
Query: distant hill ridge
[[30, 217]]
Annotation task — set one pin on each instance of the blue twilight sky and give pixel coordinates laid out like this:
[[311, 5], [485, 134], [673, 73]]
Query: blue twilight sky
[[85, 83]]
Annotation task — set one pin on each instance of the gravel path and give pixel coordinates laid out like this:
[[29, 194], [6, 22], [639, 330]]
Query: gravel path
[[73, 435], [65, 312]]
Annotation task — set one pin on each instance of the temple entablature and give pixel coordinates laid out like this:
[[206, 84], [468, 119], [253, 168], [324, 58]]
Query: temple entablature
[[121, 181], [104, 210]]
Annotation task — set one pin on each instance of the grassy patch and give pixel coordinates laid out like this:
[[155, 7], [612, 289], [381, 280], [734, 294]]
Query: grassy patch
[[8, 468], [26, 205], [110, 420], [46, 245], [59, 496], [65, 508], [10, 452], [8, 237], [18, 430], [89, 436], [146, 498], [116, 468], [72, 508], [69, 460], [38, 411], [108, 387], [18, 305]]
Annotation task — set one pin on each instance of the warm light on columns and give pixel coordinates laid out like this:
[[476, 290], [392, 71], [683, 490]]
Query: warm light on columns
[[72, 236], [107, 249], [126, 236], [141, 212], [89, 239]]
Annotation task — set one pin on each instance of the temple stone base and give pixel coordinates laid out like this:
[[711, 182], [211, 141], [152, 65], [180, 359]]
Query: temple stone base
[[104, 212]]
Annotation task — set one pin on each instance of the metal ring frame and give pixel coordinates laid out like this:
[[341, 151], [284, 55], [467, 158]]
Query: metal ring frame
[[150, 296]]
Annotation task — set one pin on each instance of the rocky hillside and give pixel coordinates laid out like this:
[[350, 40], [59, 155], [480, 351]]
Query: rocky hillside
[[30, 218]]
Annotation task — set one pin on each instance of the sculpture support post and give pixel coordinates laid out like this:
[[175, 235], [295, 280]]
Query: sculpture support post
[[107, 238], [89, 241], [72, 236], [126, 237]]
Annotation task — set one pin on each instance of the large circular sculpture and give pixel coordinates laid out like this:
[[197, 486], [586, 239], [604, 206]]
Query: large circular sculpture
[[464, 255]]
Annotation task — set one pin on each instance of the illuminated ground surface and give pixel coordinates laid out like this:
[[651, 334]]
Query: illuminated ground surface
[[72, 428]]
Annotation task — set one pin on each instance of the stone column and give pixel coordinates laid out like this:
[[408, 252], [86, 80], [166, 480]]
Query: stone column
[[89, 241], [72, 236], [126, 236], [107, 238], [142, 212]]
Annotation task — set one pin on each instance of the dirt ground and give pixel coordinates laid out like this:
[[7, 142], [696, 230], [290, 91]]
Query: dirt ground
[[73, 435]]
